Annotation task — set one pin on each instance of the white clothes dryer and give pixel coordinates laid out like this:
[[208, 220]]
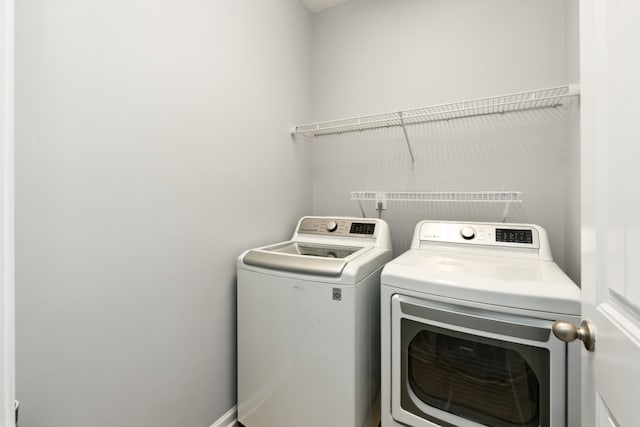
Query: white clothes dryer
[[308, 326], [466, 317]]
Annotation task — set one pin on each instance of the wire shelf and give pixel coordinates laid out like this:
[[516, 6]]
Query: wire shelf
[[439, 196], [535, 99]]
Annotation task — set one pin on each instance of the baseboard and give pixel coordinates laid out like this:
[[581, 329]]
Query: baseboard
[[228, 419]]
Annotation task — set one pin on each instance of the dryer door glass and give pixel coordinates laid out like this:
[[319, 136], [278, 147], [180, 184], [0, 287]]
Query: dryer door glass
[[492, 382]]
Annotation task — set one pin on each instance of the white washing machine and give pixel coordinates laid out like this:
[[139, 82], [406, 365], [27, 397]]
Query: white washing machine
[[467, 341], [308, 326]]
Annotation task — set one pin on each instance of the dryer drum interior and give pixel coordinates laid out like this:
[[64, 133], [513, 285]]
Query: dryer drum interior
[[489, 381]]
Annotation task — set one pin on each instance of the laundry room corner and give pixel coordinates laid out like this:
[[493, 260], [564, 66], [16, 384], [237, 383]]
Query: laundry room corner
[[426, 155], [375, 57]]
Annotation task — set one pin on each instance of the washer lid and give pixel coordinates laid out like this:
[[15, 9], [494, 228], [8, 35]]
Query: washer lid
[[302, 257], [528, 284]]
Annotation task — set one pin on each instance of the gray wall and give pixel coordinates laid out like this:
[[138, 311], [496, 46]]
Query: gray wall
[[379, 55], [152, 148]]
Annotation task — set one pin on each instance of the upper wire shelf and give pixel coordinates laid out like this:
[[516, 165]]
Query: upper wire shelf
[[535, 99]]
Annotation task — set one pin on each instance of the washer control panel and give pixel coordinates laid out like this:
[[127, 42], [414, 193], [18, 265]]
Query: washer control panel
[[511, 235], [339, 227]]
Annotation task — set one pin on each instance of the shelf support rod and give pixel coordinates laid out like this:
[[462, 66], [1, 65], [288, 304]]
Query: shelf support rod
[[406, 137], [505, 213], [361, 209]]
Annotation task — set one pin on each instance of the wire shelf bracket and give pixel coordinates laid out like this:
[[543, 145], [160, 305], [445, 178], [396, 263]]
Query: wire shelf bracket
[[406, 137]]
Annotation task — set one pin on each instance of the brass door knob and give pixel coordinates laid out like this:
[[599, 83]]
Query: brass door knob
[[567, 332]]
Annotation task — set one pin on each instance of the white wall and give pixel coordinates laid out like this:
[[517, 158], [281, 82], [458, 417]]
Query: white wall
[[7, 205], [380, 55], [152, 148], [573, 226]]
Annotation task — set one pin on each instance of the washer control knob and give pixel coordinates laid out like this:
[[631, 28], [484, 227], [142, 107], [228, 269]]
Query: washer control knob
[[468, 233], [332, 226]]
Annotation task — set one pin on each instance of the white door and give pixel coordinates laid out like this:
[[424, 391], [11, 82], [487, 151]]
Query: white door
[[610, 129]]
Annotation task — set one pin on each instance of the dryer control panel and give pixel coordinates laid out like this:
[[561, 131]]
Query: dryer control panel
[[487, 234]]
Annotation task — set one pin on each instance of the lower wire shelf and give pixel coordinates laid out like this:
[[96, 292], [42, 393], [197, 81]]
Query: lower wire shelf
[[438, 196], [382, 197]]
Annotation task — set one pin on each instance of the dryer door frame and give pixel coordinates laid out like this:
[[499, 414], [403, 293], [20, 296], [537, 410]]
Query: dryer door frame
[[508, 328]]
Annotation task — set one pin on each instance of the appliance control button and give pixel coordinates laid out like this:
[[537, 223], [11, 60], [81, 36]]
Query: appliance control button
[[468, 233], [332, 226]]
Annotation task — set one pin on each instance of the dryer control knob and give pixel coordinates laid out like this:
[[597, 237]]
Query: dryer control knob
[[332, 226], [468, 233]]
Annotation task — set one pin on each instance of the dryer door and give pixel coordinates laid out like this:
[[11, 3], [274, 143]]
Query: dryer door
[[460, 366]]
